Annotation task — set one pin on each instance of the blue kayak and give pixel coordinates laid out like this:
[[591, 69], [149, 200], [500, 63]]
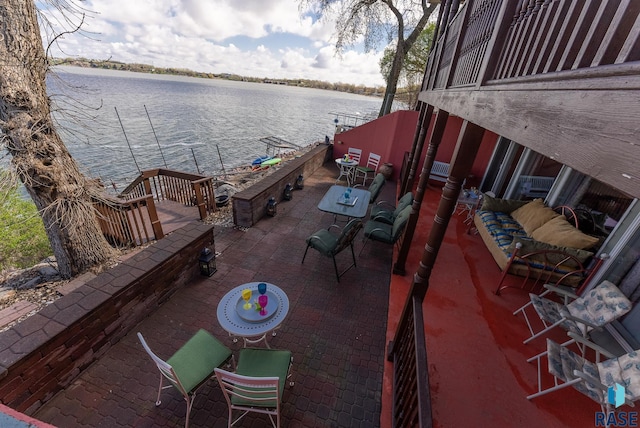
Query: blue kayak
[[260, 160]]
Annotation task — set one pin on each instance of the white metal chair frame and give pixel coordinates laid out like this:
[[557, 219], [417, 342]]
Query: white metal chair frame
[[593, 310], [571, 369], [354, 154], [166, 371], [371, 168], [256, 393], [261, 391]]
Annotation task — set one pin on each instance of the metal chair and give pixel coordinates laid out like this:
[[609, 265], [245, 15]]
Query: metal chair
[[386, 213], [330, 244], [375, 187], [387, 233], [354, 154], [191, 366], [371, 168], [257, 384], [597, 380], [594, 309]]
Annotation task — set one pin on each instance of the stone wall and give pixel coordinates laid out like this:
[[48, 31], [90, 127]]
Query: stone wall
[[44, 353], [250, 205]]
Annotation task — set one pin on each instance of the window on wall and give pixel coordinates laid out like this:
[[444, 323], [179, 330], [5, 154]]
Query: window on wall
[[531, 177], [599, 206]]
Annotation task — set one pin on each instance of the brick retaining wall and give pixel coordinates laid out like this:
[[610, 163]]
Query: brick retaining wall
[[44, 353], [250, 205]]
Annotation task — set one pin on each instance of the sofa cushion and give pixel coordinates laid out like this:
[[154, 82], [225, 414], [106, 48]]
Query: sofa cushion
[[558, 231], [501, 227], [502, 205], [533, 215]]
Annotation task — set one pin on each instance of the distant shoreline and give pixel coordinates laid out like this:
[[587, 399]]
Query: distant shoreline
[[146, 68]]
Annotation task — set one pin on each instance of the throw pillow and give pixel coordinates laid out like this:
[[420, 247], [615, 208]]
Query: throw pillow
[[533, 215], [558, 231]]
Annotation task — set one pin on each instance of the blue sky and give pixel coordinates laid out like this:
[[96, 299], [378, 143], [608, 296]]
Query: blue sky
[[257, 38]]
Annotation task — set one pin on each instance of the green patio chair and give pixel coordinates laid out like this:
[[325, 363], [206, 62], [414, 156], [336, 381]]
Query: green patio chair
[[376, 187], [191, 366], [257, 384], [387, 233], [330, 244], [386, 213]]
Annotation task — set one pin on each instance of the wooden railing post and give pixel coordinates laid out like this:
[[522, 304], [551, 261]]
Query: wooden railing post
[[153, 217], [411, 395], [202, 209]]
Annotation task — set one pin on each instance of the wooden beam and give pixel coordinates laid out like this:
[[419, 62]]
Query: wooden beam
[[590, 124]]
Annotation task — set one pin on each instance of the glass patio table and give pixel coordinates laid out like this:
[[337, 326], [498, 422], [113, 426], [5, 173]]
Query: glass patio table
[[249, 323], [356, 207]]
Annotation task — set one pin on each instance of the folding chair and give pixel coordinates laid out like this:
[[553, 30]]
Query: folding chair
[[593, 379], [594, 309]]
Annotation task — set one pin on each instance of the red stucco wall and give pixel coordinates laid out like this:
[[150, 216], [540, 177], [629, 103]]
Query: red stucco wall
[[392, 135]]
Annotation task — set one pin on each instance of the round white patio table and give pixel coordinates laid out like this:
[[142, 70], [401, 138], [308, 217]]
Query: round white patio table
[[249, 324], [347, 170]]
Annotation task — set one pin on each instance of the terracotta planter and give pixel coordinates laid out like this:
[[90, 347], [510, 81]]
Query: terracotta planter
[[386, 170]]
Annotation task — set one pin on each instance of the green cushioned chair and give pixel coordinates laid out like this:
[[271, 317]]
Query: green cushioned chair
[[376, 187], [257, 384], [330, 244], [191, 366], [387, 233], [386, 213]]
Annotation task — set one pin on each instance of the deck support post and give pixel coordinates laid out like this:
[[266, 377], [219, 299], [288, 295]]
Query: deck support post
[[422, 127], [437, 133]]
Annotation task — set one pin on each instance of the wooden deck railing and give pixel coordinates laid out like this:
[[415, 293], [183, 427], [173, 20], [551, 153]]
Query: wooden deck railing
[[411, 396], [164, 184], [128, 223], [133, 220], [490, 40]]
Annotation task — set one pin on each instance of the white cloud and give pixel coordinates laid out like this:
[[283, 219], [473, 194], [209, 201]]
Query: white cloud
[[258, 38]]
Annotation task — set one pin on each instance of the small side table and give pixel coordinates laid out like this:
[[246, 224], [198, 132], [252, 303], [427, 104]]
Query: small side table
[[467, 203], [347, 170], [256, 330]]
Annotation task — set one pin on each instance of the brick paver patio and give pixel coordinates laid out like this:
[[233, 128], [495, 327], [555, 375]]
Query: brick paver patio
[[336, 331]]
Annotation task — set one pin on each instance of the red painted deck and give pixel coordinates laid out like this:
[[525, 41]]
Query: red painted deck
[[478, 372]]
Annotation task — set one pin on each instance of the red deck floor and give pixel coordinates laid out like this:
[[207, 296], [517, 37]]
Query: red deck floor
[[478, 372]]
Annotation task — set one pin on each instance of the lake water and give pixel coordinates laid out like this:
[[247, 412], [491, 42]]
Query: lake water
[[192, 119]]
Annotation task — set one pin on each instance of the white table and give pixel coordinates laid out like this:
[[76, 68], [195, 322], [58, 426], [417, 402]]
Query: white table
[[347, 170], [251, 327]]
